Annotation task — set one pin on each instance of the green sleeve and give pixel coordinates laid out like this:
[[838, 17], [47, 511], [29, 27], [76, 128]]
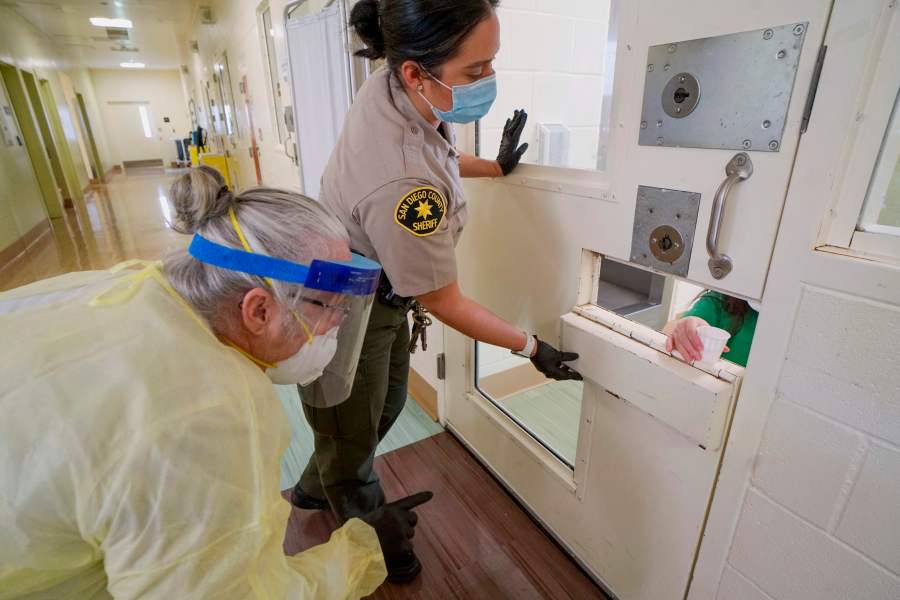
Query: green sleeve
[[711, 309], [708, 308]]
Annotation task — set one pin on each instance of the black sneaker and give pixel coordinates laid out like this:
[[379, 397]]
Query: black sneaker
[[301, 499], [404, 570]]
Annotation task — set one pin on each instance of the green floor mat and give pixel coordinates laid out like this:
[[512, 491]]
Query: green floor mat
[[411, 426]]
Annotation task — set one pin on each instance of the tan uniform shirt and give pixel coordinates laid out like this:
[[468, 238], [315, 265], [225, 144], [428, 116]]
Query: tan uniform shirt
[[393, 181]]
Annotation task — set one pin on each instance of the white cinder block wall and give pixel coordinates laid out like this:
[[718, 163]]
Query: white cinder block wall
[[551, 64], [822, 517]]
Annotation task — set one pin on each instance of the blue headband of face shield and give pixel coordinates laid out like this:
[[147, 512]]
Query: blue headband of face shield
[[357, 276]]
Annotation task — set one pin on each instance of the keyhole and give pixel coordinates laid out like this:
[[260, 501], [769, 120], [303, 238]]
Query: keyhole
[[666, 243], [681, 95]]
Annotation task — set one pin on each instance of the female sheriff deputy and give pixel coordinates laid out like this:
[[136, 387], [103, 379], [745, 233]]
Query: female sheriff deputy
[[393, 180], [141, 435]]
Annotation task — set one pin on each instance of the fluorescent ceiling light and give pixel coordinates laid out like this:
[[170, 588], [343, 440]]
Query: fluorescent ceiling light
[[132, 65], [105, 22]]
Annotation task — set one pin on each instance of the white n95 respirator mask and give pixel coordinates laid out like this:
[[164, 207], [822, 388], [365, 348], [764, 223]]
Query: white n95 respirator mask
[[308, 363]]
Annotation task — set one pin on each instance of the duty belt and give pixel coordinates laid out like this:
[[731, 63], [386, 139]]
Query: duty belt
[[421, 320], [386, 295]]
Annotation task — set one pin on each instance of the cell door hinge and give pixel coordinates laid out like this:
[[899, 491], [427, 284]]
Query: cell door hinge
[[813, 88], [441, 360]]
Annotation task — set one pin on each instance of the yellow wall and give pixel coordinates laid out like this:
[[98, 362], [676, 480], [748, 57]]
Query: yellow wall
[[23, 46]]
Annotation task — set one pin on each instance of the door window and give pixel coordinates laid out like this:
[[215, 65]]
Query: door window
[[223, 81], [556, 61], [881, 212], [271, 62]]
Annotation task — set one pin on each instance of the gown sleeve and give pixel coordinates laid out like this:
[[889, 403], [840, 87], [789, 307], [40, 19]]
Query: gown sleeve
[[191, 509]]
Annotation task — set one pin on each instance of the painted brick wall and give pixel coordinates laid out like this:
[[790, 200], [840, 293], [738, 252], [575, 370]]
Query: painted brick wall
[[822, 518], [551, 64]]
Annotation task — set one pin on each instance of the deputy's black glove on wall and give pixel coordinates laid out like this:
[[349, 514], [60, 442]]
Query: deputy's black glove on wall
[[510, 151]]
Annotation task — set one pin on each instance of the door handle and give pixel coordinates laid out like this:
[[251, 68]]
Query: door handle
[[739, 168]]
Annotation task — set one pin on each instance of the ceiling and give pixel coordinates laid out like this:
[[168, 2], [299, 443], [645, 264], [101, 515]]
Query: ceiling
[[158, 24]]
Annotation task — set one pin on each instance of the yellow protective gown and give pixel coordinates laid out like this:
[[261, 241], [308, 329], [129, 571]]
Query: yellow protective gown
[[139, 456]]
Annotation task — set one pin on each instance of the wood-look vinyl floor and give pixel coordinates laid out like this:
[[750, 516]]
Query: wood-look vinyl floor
[[473, 539]]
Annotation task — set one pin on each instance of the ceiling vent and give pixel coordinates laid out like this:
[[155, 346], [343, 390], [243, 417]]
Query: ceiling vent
[[206, 16], [116, 34]]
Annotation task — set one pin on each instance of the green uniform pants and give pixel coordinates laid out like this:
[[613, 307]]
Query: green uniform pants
[[347, 434]]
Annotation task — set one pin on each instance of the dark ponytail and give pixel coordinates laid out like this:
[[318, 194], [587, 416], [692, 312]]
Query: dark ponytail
[[426, 31], [364, 20]]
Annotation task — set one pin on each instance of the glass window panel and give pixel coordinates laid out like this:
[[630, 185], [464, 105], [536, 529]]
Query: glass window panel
[[550, 411], [556, 61], [272, 69], [881, 212], [145, 121]]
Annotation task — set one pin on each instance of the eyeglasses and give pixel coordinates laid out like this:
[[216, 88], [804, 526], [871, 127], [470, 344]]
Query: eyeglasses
[[343, 311]]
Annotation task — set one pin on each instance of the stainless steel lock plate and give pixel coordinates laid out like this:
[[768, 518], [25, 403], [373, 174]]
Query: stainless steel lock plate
[[664, 225], [746, 80]]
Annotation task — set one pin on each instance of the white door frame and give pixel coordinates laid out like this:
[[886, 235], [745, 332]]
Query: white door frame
[[802, 262]]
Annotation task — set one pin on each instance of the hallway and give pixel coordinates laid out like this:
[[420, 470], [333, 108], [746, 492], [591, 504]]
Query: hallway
[[124, 219]]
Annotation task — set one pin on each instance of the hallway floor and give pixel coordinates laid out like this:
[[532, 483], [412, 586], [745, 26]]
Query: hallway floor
[[122, 219], [473, 539]]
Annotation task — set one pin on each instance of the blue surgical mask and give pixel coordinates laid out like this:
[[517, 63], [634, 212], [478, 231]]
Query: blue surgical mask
[[470, 102]]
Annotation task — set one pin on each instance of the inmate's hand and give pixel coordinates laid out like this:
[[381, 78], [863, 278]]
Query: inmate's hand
[[510, 151], [683, 337], [395, 524], [549, 361]]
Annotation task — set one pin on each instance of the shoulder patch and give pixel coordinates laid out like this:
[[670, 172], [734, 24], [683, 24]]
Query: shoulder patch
[[421, 211]]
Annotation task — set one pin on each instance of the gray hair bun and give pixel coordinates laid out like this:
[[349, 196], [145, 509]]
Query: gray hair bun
[[199, 196]]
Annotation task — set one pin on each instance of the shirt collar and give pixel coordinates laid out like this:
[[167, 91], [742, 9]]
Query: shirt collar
[[406, 108]]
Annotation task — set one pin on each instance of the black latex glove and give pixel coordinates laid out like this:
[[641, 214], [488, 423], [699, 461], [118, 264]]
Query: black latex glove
[[549, 361], [510, 152], [395, 524]]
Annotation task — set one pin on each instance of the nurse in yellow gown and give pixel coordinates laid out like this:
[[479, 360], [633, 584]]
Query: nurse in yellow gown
[[140, 436]]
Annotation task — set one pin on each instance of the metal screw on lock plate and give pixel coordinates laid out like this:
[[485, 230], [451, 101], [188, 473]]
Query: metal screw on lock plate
[[767, 34], [798, 29], [773, 145], [746, 144], [649, 68], [781, 54], [766, 124], [672, 48], [643, 124]]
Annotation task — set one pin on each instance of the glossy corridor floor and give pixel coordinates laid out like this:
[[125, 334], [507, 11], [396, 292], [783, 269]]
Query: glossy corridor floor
[[123, 219], [473, 539]]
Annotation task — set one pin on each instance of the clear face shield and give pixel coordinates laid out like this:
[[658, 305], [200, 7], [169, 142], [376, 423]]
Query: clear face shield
[[338, 297], [331, 304]]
